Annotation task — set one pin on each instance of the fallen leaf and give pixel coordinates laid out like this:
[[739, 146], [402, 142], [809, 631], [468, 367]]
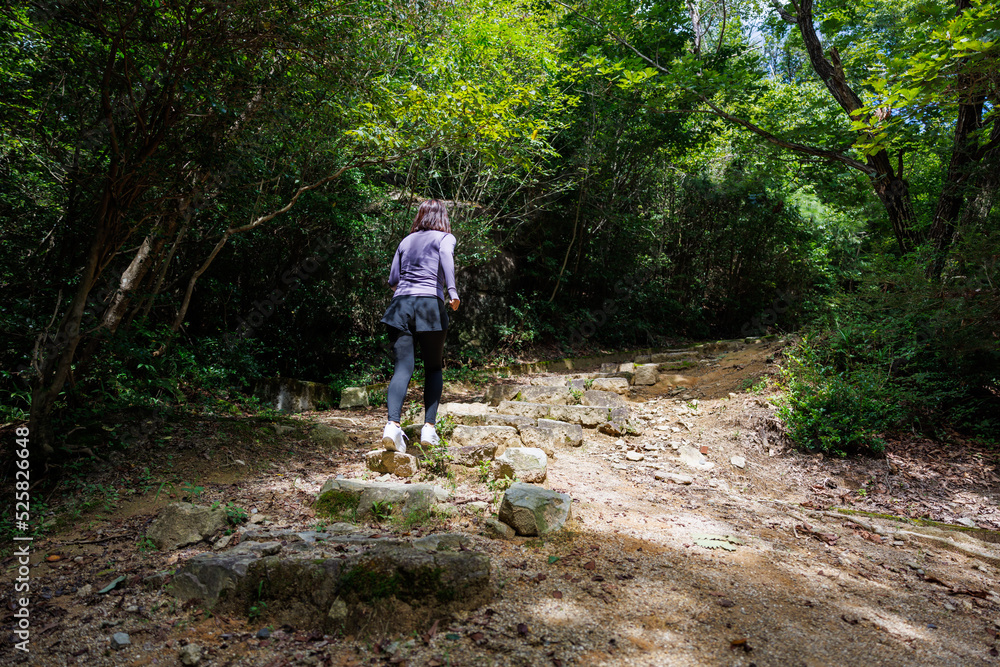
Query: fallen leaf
[[53, 558], [540, 577], [590, 565], [553, 559], [429, 635], [726, 603], [557, 595], [740, 643], [716, 541], [476, 636], [522, 629]]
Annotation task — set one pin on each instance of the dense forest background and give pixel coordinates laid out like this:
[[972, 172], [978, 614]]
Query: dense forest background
[[195, 194]]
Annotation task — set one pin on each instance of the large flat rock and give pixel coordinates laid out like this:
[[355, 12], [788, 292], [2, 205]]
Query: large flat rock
[[340, 584]]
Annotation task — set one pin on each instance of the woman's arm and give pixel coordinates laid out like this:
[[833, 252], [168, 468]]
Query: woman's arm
[[448, 265]]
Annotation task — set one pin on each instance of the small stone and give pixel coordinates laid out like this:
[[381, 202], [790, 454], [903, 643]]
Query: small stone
[[676, 478], [131, 609], [190, 655], [634, 456], [498, 530], [949, 606], [619, 443], [967, 522], [264, 633], [120, 640], [478, 506], [692, 457], [738, 461], [84, 591]]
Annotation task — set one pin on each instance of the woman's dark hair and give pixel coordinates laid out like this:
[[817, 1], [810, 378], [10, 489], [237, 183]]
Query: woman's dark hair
[[432, 214]]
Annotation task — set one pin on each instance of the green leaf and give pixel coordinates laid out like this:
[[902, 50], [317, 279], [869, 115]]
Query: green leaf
[[113, 584]]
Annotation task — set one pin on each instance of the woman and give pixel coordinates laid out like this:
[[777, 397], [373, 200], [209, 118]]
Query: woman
[[422, 269]]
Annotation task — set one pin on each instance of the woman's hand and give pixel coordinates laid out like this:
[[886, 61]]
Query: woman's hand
[[454, 304]]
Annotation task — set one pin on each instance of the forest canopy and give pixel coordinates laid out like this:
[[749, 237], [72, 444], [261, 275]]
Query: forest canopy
[[196, 194]]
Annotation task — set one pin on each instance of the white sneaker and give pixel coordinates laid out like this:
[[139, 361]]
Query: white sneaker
[[429, 436], [392, 438]]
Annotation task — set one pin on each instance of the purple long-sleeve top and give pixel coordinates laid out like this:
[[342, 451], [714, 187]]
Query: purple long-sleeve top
[[424, 265]]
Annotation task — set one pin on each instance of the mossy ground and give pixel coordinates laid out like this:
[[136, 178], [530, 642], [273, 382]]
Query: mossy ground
[[338, 506]]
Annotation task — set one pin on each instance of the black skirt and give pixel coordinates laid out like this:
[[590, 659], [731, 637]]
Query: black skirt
[[412, 314]]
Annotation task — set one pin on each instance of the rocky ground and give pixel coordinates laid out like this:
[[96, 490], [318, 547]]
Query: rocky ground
[[696, 537]]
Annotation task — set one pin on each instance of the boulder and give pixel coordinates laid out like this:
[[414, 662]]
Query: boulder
[[354, 397], [617, 385], [181, 524], [329, 436], [642, 359], [645, 375], [627, 367], [394, 463], [527, 464], [532, 510]]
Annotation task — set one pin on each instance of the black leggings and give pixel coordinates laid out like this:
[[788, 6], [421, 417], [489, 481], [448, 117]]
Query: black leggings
[[432, 352]]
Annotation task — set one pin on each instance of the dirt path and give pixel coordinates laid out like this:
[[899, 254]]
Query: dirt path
[[632, 581]]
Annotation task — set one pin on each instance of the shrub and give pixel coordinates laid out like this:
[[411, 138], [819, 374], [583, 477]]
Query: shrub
[[835, 411]]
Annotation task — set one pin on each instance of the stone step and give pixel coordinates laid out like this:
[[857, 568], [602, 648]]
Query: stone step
[[472, 444], [556, 395], [589, 416], [608, 399]]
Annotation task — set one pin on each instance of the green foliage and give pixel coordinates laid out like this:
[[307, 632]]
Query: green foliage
[[338, 506], [435, 458], [837, 412], [382, 510]]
